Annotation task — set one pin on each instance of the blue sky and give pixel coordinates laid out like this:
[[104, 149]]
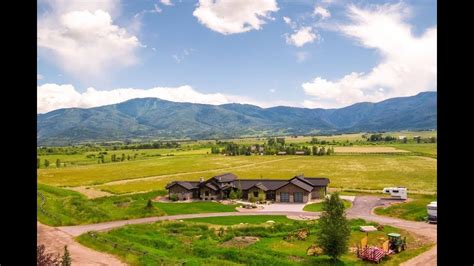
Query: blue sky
[[265, 52]]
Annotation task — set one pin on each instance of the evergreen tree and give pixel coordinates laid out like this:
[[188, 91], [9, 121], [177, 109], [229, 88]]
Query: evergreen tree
[[322, 151], [38, 163], [113, 157], [315, 150], [333, 236], [149, 205], [123, 157], [128, 157], [66, 259], [58, 163], [46, 163]]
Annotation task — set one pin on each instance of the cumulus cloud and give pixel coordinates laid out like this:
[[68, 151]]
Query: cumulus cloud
[[82, 38], [301, 37], [166, 2], [234, 16], [55, 96], [322, 12], [408, 62]]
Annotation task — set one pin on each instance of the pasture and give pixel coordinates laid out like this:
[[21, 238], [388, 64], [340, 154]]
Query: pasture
[[358, 171]]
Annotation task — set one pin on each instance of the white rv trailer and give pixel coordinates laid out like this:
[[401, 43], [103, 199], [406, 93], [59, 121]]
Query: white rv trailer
[[432, 210], [397, 192]]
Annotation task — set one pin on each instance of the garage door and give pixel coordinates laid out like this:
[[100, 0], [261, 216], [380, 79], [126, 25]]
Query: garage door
[[284, 197], [298, 196]]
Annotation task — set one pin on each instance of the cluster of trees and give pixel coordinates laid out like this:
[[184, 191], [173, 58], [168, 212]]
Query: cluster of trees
[[154, 145], [320, 151], [67, 150], [47, 163], [387, 138]]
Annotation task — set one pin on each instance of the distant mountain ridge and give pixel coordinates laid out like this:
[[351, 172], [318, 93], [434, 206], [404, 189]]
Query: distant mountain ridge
[[145, 118]]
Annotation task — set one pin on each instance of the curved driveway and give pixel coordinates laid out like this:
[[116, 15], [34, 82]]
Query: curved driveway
[[362, 208]]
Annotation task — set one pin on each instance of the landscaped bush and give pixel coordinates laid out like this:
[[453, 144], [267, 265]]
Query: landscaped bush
[[173, 197]]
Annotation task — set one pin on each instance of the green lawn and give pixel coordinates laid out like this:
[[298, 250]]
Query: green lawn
[[65, 207], [414, 210], [251, 219], [361, 171], [172, 243], [318, 207]]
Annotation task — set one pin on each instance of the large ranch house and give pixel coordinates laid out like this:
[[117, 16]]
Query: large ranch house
[[297, 189]]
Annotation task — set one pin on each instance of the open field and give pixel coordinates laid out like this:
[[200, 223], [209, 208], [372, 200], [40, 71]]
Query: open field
[[102, 173], [87, 158], [425, 149], [65, 207], [200, 244], [318, 207], [413, 211], [361, 171], [368, 149]]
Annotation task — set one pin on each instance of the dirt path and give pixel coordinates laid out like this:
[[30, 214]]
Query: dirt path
[[55, 240]]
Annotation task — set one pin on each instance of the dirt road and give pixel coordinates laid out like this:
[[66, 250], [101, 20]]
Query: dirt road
[[55, 239]]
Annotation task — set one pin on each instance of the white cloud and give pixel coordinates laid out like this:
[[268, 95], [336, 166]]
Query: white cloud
[[287, 20], [55, 96], [82, 38], [272, 90], [39, 76], [301, 37], [321, 11], [408, 62], [234, 16], [166, 2]]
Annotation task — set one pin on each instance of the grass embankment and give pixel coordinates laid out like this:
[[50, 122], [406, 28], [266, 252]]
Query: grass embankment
[[65, 207], [413, 211], [318, 207], [361, 171], [193, 243]]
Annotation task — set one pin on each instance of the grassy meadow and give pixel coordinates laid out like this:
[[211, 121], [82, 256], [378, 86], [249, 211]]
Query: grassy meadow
[[414, 210], [360, 171], [318, 207], [197, 243], [65, 207]]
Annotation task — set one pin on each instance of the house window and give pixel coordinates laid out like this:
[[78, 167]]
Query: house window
[[395, 191], [255, 194], [284, 197], [298, 197]]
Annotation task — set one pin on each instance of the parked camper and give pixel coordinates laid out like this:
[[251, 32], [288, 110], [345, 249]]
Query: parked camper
[[397, 192], [432, 210]]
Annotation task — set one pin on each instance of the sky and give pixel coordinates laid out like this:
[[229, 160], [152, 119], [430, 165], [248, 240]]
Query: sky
[[301, 53]]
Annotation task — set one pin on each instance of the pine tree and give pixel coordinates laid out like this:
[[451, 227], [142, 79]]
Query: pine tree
[[123, 157], [58, 163], [149, 205], [333, 236], [66, 259], [46, 163]]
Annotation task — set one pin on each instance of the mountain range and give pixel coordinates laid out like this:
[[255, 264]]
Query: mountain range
[[153, 118]]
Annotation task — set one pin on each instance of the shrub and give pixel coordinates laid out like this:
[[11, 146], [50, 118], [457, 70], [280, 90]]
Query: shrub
[[173, 197]]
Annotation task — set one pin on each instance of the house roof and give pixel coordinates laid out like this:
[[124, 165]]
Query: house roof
[[318, 181], [227, 180], [189, 185], [297, 182], [227, 177]]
